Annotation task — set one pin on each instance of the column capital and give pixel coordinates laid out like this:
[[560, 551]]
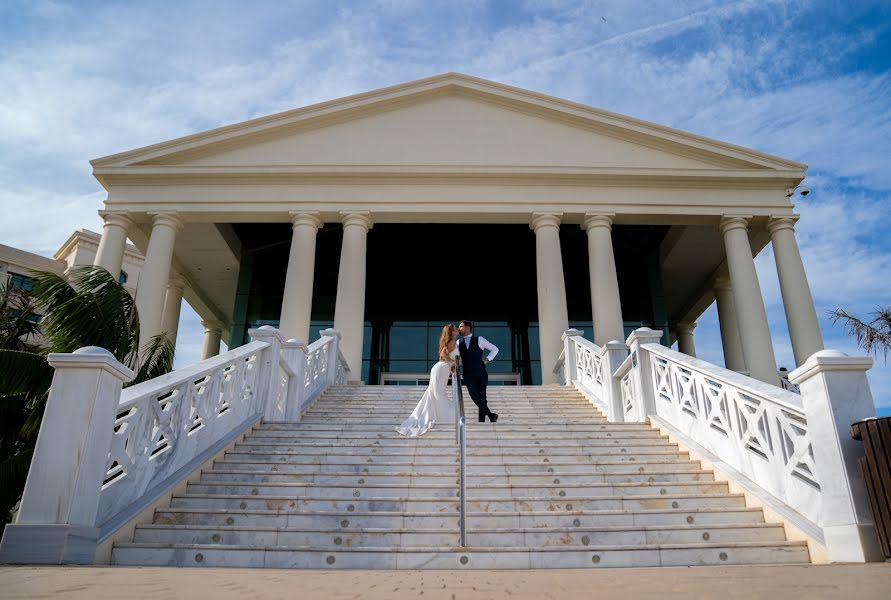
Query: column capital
[[541, 220], [731, 222], [780, 222], [176, 282], [119, 218], [305, 218], [593, 220], [168, 219], [722, 283], [685, 328], [357, 219], [212, 325]]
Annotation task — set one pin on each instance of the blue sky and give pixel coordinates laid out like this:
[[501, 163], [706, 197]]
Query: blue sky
[[806, 80]]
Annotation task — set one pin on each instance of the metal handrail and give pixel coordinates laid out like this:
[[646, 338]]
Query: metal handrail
[[461, 437]]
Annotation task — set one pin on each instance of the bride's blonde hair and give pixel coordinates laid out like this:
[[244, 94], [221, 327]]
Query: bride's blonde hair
[[445, 337]]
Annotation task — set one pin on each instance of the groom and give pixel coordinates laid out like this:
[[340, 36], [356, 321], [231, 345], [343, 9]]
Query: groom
[[475, 376]]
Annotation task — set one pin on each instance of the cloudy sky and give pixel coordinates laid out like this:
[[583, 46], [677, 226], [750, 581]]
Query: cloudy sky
[[806, 80]]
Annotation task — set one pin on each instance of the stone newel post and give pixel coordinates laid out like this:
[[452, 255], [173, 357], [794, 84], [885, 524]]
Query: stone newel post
[[271, 372], [56, 523], [614, 354], [642, 369], [294, 355], [835, 393], [569, 355]]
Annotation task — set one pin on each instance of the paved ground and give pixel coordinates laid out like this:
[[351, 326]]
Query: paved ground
[[853, 582]]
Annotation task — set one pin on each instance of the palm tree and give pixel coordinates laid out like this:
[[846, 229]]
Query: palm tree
[[92, 310], [872, 335], [18, 319]]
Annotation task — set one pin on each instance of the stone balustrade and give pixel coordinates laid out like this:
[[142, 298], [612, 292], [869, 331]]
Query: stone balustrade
[[791, 450], [104, 455]]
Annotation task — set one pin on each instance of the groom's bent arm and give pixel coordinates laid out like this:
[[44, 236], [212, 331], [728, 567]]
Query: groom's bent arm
[[487, 345]]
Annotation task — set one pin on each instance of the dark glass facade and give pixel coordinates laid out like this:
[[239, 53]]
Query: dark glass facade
[[420, 276]]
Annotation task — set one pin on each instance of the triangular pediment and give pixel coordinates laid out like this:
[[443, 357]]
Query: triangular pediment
[[447, 121]]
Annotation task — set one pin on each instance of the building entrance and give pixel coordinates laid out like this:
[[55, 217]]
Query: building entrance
[[421, 276]]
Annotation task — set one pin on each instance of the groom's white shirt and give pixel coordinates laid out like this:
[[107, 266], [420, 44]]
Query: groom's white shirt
[[484, 345]]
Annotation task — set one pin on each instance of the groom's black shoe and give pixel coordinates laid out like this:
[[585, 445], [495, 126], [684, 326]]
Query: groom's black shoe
[[493, 417]]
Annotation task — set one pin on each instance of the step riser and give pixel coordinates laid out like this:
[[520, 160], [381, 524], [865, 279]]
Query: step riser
[[450, 468], [333, 458], [482, 491], [446, 506], [426, 450], [474, 540], [473, 481], [449, 441], [317, 522], [289, 559]]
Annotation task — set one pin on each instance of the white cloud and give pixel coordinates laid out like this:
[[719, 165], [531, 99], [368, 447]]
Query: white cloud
[[116, 76]]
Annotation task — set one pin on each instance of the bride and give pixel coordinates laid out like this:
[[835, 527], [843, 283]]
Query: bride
[[435, 406]]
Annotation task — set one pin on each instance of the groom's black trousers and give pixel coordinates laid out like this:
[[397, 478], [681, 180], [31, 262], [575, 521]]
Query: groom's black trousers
[[476, 382]]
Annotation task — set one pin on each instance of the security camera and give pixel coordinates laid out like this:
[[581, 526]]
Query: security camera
[[804, 191], [789, 192]]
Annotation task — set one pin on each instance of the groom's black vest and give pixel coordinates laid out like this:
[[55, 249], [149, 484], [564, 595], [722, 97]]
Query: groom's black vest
[[471, 356]]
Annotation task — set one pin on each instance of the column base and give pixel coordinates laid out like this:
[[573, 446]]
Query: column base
[[49, 545]]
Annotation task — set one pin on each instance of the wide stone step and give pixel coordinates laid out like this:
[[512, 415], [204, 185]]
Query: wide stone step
[[426, 450], [451, 467], [395, 557], [397, 441], [324, 520], [476, 537], [448, 437], [351, 457], [473, 478], [265, 483], [230, 498], [473, 427]]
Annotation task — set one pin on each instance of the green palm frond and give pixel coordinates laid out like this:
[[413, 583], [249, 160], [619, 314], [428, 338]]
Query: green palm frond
[[97, 311], [23, 373], [156, 360], [18, 324]]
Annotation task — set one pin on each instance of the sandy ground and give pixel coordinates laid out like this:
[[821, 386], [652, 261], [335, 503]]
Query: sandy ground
[[854, 582]]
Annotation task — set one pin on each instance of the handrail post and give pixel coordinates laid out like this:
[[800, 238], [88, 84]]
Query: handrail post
[[270, 373], [614, 354], [56, 523], [333, 353], [569, 354], [461, 434], [293, 352], [642, 370], [834, 394]]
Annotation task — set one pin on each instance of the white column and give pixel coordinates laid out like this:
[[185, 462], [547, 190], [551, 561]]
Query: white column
[[553, 317], [607, 306], [297, 300], [349, 308], [213, 333], [734, 359], [834, 394], [685, 338], [801, 316], [152, 287], [173, 302], [750, 313], [110, 254], [56, 523]]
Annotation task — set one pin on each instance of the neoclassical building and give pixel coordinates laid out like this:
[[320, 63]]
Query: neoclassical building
[[389, 213]]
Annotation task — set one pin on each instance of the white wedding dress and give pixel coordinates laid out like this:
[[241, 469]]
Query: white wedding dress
[[435, 405]]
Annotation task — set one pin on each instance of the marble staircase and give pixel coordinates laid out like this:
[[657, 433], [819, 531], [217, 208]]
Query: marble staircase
[[551, 485]]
